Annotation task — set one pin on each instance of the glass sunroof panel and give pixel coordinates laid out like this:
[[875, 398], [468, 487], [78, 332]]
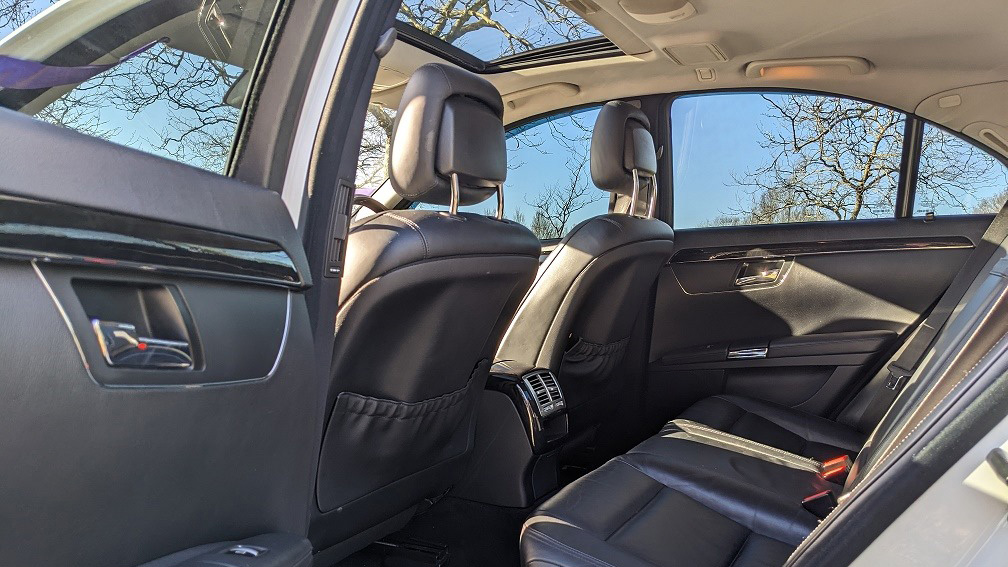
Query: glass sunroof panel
[[491, 29]]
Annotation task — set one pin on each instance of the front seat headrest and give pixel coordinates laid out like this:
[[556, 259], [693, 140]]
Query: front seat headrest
[[450, 121], [621, 142]]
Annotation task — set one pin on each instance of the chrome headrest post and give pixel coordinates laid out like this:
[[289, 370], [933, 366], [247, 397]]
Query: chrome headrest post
[[635, 194], [652, 197], [500, 202], [454, 205]]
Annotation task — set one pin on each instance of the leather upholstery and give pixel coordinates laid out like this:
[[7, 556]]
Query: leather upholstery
[[389, 240], [621, 142], [424, 301], [449, 121], [676, 501], [578, 316], [778, 426], [671, 502]]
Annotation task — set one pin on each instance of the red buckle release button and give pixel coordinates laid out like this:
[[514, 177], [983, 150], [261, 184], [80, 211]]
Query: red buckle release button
[[836, 469]]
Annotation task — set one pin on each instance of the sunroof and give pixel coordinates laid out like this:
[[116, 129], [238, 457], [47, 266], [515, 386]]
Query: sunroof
[[492, 29]]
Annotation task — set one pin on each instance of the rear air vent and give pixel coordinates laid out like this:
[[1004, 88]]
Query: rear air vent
[[544, 391]]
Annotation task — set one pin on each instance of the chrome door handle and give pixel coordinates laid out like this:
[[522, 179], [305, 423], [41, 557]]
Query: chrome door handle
[[747, 353], [122, 346], [757, 273]]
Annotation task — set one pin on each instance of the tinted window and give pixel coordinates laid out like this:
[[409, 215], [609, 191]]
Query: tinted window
[[549, 186], [764, 158], [493, 29], [956, 177], [166, 77], [372, 161]]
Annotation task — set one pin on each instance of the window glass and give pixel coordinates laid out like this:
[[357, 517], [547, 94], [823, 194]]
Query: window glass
[[496, 28], [168, 77], [372, 161], [765, 158], [549, 187], [956, 177]]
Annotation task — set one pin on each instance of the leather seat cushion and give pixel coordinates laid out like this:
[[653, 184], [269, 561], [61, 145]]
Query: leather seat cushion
[[778, 426], [673, 502]]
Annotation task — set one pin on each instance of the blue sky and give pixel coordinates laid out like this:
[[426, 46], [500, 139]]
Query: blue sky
[[143, 130], [519, 18], [713, 137]]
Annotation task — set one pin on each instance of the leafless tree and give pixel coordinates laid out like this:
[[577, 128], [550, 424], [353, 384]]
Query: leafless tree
[[188, 88], [555, 205], [79, 114], [954, 174], [452, 21], [839, 159], [13, 13]]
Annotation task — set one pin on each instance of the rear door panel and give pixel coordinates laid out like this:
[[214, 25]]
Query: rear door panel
[[846, 292], [116, 466]]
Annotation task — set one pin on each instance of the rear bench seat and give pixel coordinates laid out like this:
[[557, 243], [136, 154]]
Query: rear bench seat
[[777, 426], [681, 498]]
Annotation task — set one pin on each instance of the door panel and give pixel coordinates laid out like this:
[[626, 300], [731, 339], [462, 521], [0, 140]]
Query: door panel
[[119, 465], [841, 296]]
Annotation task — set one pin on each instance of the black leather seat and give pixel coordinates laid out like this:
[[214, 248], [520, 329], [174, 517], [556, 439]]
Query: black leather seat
[[425, 299], [578, 316], [672, 502], [778, 426], [689, 496]]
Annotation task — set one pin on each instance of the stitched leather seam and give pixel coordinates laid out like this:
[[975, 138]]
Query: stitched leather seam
[[639, 510], [415, 227], [452, 399], [614, 223], [741, 547], [577, 552], [806, 431]]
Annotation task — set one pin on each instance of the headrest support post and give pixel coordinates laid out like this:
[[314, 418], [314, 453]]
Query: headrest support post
[[500, 202], [652, 198], [634, 193], [453, 205]]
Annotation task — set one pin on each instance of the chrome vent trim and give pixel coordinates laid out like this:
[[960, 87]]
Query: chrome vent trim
[[545, 392]]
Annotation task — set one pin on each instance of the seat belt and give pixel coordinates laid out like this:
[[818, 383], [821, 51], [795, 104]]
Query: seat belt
[[901, 369]]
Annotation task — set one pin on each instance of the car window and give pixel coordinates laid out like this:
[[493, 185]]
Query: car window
[[956, 177], [765, 158], [372, 161], [167, 77], [549, 187]]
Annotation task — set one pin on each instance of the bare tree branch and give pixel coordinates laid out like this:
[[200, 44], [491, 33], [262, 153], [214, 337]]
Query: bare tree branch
[[835, 158]]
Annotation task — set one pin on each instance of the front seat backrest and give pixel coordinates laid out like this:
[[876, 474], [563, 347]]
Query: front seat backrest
[[579, 314], [424, 301]]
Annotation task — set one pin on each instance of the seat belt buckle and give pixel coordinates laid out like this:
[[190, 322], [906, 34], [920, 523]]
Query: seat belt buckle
[[835, 470], [820, 504], [898, 377]]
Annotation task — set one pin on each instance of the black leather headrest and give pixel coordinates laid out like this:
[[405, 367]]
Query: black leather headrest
[[620, 143], [449, 121]]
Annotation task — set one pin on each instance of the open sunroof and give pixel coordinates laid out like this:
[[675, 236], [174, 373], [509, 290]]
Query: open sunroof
[[496, 30]]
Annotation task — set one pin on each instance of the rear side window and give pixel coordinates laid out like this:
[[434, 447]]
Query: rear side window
[[767, 158], [549, 187], [955, 177], [166, 77]]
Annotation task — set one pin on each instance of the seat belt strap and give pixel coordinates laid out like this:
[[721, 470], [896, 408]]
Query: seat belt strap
[[902, 369]]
